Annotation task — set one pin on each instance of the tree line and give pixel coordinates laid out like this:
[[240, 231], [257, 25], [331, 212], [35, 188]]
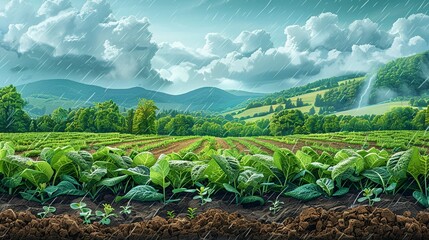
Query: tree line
[[145, 119]]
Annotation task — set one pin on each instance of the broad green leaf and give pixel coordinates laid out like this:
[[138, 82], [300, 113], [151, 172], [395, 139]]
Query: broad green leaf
[[229, 165], [12, 182], [341, 191], [95, 175], [140, 174], [159, 173], [143, 193], [418, 165], [79, 160], [34, 176], [398, 164], [304, 159], [249, 178], [355, 163], [230, 188], [144, 158], [287, 162], [327, 185], [373, 160], [12, 165], [305, 192], [110, 182], [190, 156], [379, 175], [421, 198], [252, 199], [43, 167], [198, 172]]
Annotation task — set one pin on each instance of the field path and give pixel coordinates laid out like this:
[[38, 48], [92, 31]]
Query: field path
[[173, 147]]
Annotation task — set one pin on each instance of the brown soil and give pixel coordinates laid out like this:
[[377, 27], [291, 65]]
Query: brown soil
[[201, 147], [222, 144], [263, 148], [292, 147], [173, 147], [136, 141], [240, 147], [361, 222]]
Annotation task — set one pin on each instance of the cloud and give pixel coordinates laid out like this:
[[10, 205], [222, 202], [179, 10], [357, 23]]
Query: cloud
[[117, 51], [57, 40], [322, 47]]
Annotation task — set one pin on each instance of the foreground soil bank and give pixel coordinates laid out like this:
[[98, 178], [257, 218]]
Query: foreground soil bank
[[361, 222]]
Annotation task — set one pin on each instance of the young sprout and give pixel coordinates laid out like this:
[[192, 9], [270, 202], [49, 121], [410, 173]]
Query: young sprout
[[106, 215], [47, 211], [192, 213], [276, 206], [171, 214], [84, 212], [204, 194], [371, 195], [126, 210]]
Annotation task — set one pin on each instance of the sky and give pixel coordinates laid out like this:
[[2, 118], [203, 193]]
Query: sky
[[180, 45]]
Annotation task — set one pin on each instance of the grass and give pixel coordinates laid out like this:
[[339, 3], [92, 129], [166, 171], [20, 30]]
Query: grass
[[377, 109], [307, 98]]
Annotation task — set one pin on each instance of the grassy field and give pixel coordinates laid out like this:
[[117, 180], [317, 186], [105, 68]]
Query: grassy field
[[374, 109], [307, 98]]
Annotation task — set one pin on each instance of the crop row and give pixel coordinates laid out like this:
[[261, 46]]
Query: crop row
[[141, 176]]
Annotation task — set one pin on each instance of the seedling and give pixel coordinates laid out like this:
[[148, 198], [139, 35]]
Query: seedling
[[204, 194], [126, 210], [371, 195], [47, 211], [106, 215], [84, 212], [171, 214], [192, 213], [276, 206]]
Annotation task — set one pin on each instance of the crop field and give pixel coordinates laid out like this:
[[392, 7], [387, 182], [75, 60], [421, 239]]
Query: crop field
[[97, 175]]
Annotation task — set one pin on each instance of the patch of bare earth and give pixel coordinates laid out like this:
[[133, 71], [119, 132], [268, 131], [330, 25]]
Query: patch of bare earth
[[222, 144], [173, 147]]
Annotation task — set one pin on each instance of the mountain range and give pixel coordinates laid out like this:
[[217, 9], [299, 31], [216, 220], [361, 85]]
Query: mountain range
[[46, 95]]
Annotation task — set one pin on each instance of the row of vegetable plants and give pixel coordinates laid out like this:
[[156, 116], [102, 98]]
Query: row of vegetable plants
[[140, 176]]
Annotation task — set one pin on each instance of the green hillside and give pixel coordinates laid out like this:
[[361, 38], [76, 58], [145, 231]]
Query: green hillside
[[403, 77]]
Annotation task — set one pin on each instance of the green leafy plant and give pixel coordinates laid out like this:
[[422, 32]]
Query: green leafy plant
[[371, 195], [204, 194], [84, 212], [171, 214], [159, 173], [276, 206], [46, 211], [192, 213], [125, 210], [106, 214]]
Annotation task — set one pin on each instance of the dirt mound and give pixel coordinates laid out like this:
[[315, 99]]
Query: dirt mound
[[312, 223]]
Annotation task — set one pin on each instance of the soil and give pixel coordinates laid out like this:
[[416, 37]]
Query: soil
[[293, 147], [173, 147], [201, 147], [263, 148], [222, 144], [240, 147], [393, 218]]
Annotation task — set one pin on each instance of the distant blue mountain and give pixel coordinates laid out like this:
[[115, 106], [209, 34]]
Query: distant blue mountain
[[45, 95]]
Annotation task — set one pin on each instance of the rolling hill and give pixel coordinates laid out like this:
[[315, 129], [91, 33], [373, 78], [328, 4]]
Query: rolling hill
[[46, 95]]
